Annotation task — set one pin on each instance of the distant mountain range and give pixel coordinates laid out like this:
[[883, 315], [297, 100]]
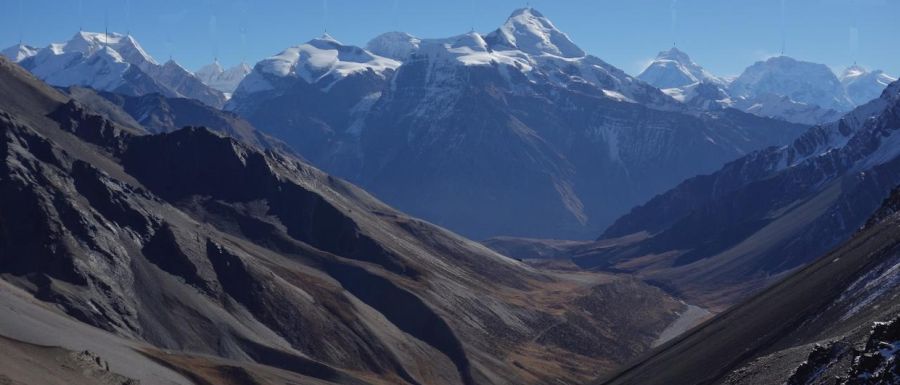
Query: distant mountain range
[[767, 213], [519, 127], [224, 80], [863, 85], [111, 62], [780, 87], [486, 125]]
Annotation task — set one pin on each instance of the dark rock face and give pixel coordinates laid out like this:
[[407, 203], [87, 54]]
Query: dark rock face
[[89, 127], [878, 363], [216, 251], [820, 360], [888, 208]]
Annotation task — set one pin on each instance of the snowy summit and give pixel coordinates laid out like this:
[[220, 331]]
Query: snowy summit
[[862, 85], [323, 61], [117, 63], [225, 80], [529, 31], [804, 82], [19, 52], [394, 45], [675, 69]]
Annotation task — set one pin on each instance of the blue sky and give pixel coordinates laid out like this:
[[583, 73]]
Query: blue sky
[[723, 35]]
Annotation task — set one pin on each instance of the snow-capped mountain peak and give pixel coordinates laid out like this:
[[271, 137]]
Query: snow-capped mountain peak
[[471, 40], [853, 72], [125, 45], [210, 71], [675, 54], [90, 42], [857, 73], [171, 63], [323, 61], [19, 52], [321, 56], [529, 31], [117, 63], [225, 80], [394, 45], [863, 85], [243, 67], [325, 55], [802, 81], [674, 69], [325, 38]]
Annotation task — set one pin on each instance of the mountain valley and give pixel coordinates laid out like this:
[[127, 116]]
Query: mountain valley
[[484, 208]]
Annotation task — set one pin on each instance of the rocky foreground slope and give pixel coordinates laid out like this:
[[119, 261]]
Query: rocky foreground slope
[[190, 257], [836, 321]]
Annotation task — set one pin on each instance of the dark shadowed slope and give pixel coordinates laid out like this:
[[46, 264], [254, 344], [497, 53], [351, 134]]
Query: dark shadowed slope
[[765, 214], [232, 265], [156, 113], [834, 303]]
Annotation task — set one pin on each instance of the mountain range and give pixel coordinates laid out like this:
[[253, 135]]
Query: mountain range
[[863, 85], [760, 217], [224, 80], [190, 257], [779, 87], [407, 117], [518, 127], [111, 62], [165, 227]]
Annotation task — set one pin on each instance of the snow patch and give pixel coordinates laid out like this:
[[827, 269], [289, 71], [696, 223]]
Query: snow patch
[[324, 57]]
